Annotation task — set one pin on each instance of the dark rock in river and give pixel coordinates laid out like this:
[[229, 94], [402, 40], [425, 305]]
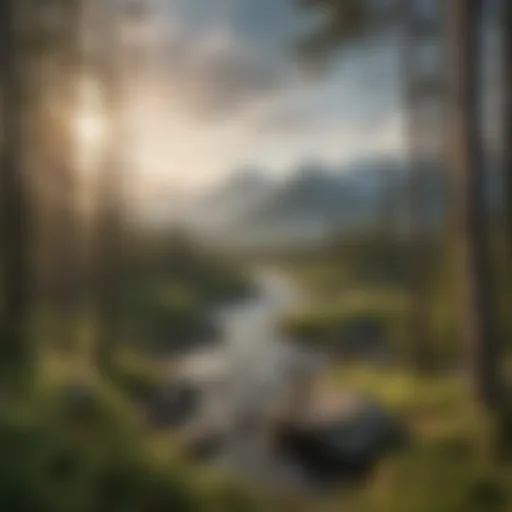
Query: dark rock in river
[[174, 406], [206, 446], [345, 445]]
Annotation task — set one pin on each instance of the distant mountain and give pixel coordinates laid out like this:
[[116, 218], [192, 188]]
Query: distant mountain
[[317, 200], [311, 192], [220, 208], [241, 185], [314, 202]]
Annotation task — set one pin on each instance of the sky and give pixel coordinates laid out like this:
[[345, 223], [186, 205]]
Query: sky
[[218, 87]]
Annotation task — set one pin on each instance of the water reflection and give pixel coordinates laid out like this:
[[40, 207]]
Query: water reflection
[[250, 375]]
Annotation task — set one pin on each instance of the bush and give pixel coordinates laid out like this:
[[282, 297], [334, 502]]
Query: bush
[[136, 377], [86, 456], [168, 317], [355, 316]]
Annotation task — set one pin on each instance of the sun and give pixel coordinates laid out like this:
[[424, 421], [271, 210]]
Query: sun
[[89, 119], [90, 129]]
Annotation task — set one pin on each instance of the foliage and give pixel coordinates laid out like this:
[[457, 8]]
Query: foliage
[[441, 469], [72, 452], [376, 256], [176, 258], [167, 317], [363, 278], [402, 391], [327, 324], [139, 378], [174, 283], [80, 447], [341, 21]]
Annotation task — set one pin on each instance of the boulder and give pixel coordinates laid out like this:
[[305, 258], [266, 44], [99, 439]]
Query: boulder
[[204, 447], [174, 406], [346, 444]]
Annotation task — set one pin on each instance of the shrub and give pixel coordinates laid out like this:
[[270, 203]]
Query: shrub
[[87, 456], [357, 315], [136, 377]]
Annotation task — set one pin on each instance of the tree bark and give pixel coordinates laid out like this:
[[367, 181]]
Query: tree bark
[[507, 111], [14, 195], [108, 253], [466, 162], [415, 97], [67, 235]]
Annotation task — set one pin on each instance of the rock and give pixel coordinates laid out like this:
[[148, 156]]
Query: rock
[[341, 445], [174, 406], [204, 447]]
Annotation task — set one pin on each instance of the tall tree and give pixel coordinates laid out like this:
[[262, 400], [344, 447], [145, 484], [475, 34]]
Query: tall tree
[[104, 60], [14, 194], [66, 242], [51, 47], [348, 21], [110, 239], [466, 162], [507, 111], [422, 92], [110, 263]]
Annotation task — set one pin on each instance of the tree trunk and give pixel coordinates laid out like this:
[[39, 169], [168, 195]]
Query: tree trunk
[[507, 111], [111, 240], [67, 235], [108, 253], [14, 196], [466, 162], [417, 94]]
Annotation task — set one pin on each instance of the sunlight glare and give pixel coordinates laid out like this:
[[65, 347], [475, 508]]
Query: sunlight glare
[[90, 121], [90, 128]]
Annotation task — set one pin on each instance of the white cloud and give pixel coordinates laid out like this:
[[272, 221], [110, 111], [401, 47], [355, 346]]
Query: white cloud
[[213, 102]]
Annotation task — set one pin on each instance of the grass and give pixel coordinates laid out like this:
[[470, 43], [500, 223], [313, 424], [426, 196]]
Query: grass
[[327, 323], [437, 476], [442, 470], [403, 392], [76, 442], [96, 457]]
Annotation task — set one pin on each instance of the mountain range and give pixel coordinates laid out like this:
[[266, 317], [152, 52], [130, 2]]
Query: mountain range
[[314, 202]]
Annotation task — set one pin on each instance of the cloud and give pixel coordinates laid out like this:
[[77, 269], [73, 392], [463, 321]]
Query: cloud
[[225, 89], [225, 54], [225, 75], [221, 55], [216, 75]]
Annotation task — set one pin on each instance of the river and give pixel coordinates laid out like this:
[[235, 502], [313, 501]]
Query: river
[[248, 375]]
